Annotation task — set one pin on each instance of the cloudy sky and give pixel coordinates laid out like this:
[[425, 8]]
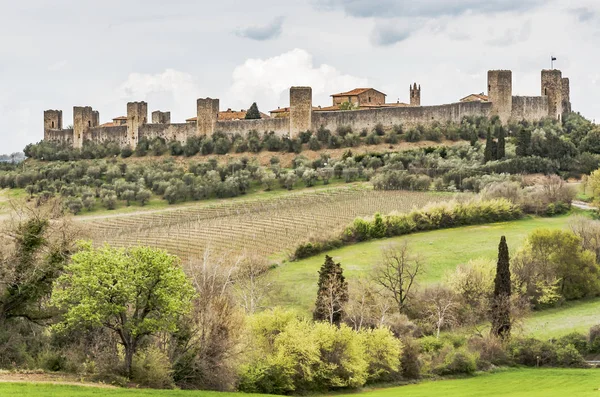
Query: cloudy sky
[[61, 53]]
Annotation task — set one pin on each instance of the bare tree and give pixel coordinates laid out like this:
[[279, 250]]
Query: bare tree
[[397, 273], [589, 232], [368, 307], [252, 283], [210, 341], [440, 305], [333, 297]]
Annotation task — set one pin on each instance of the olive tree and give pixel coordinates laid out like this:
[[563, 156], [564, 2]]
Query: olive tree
[[134, 293]]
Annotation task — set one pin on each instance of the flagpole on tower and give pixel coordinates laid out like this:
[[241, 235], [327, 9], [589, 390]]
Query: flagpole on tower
[[552, 59]]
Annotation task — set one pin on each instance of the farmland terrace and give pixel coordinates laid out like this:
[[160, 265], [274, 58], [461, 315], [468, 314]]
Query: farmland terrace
[[263, 227]]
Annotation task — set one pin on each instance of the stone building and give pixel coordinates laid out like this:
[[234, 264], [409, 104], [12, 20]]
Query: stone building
[[359, 97], [301, 115]]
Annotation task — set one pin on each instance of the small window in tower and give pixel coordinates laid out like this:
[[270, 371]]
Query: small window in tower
[[53, 124], [545, 91], [489, 87], [89, 123], [369, 99]]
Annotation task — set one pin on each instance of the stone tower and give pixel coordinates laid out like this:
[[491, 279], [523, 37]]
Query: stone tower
[[207, 112], [552, 87], [52, 120], [500, 93], [84, 118], [566, 95], [137, 115], [300, 110], [415, 95], [159, 117]]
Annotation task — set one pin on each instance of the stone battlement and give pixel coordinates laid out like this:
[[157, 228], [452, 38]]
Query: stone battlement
[[303, 116]]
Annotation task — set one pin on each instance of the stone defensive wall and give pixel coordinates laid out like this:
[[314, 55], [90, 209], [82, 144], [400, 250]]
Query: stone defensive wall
[[116, 134], [169, 132], [406, 116], [279, 125], [126, 131], [529, 108]]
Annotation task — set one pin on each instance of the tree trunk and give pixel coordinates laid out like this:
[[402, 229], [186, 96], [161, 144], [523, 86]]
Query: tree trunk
[[129, 351]]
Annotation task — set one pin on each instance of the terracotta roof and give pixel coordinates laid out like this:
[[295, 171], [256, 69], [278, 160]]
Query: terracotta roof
[[476, 97], [231, 115], [109, 124], [315, 109], [356, 91], [120, 118]]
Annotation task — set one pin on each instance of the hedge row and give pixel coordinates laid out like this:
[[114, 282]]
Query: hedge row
[[439, 216]]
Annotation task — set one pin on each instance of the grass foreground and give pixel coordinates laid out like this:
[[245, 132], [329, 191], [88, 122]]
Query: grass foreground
[[528, 382]]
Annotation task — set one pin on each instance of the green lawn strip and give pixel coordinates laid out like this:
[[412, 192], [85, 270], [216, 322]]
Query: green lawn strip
[[508, 383], [529, 382], [440, 251], [576, 316]]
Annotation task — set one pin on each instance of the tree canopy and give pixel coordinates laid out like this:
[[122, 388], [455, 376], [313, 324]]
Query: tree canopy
[[253, 113], [135, 293]]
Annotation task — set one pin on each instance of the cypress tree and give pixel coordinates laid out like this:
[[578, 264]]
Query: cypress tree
[[501, 323], [488, 153], [253, 113], [332, 293], [501, 147], [523, 142]]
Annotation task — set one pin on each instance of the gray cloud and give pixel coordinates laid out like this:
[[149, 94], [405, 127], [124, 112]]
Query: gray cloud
[[584, 14], [387, 35], [512, 36], [424, 8], [269, 31]]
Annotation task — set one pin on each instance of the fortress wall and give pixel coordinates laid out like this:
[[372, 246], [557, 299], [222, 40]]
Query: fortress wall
[[60, 136], [169, 132], [529, 108], [279, 125], [116, 134], [407, 116]]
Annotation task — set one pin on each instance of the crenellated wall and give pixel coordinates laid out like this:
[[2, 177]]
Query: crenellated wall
[[529, 108], [279, 125], [406, 116]]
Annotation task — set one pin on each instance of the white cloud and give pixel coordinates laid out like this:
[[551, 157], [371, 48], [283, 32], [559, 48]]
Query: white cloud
[[267, 81], [171, 90]]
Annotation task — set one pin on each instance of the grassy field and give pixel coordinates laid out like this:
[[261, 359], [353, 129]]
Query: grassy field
[[571, 317], [439, 250], [508, 383]]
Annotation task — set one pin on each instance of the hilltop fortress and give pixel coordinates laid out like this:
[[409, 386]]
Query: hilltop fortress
[[367, 108]]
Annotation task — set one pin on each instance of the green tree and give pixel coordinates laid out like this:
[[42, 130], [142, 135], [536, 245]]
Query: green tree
[[553, 261], [253, 113], [489, 153], [501, 146], [32, 255], [332, 293], [133, 293], [523, 142], [501, 322]]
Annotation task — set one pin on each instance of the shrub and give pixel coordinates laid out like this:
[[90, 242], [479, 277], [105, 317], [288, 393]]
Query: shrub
[[457, 361], [594, 339], [152, 368], [568, 356]]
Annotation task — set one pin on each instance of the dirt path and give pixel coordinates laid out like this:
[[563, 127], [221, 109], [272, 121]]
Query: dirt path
[[49, 378]]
